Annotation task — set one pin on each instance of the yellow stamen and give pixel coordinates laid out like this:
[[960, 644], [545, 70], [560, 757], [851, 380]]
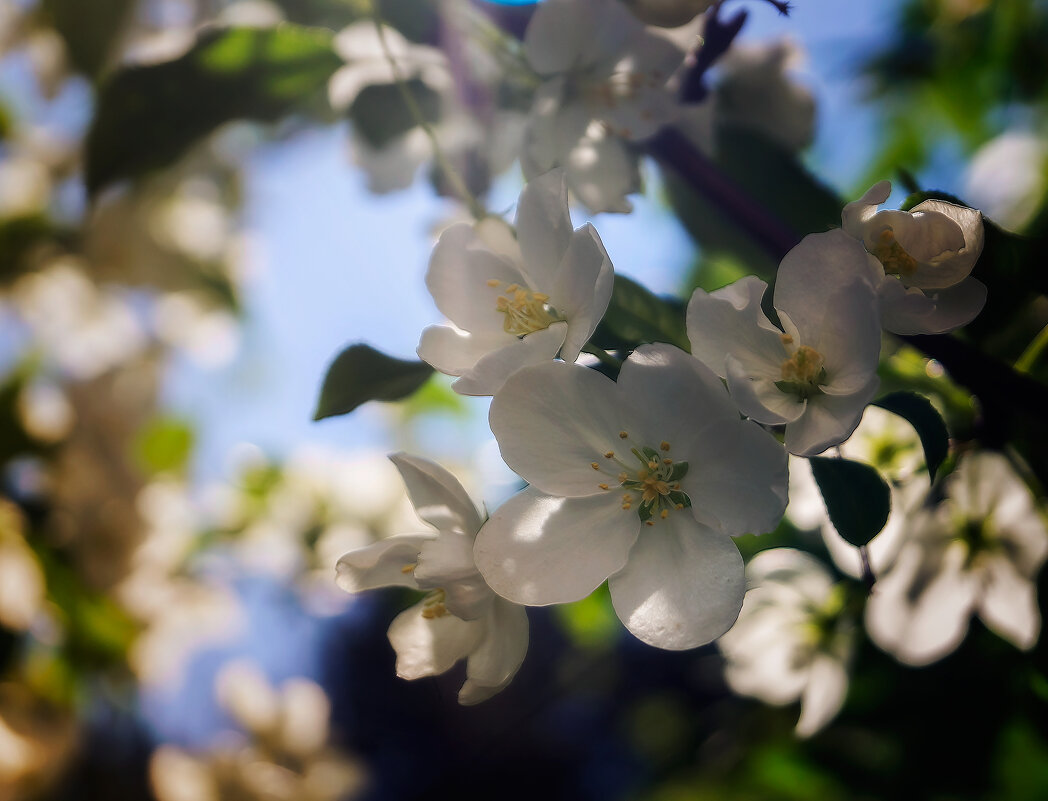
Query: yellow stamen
[[493, 282], [892, 255], [804, 366], [664, 513], [664, 445], [604, 486], [408, 568], [623, 435], [786, 339], [595, 466], [609, 455]]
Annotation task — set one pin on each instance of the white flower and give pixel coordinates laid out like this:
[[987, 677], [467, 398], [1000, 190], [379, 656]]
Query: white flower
[[888, 443], [817, 374], [977, 552], [1008, 177], [603, 73], [792, 639], [668, 13], [926, 256], [641, 480], [513, 305], [459, 618]]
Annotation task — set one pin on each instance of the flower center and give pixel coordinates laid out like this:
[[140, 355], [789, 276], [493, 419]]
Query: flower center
[[803, 372], [893, 256], [651, 480], [433, 605], [525, 311]]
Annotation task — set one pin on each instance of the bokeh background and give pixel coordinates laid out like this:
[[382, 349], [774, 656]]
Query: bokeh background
[[171, 516]]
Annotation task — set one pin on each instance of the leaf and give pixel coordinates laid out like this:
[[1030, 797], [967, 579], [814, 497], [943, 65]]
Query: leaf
[[89, 30], [380, 115], [148, 116], [857, 498], [360, 374], [918, 411], [636, 316]]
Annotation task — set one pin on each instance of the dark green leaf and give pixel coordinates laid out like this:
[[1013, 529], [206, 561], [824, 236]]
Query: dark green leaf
[[360, 374], [857, 498], [636, 316], [147, 117], [918, 411], [89, 30]]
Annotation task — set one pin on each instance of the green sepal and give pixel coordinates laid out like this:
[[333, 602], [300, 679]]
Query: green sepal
[[679, 470]]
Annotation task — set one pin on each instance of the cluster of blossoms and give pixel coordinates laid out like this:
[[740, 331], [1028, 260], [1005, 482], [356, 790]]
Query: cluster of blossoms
[[642, 469]]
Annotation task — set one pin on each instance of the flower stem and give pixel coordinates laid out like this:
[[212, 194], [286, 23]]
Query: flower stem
[[603, 355], [476, 208]]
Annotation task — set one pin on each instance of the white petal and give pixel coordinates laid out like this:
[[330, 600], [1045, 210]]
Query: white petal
[[381, 564], [849, 338], [1009, 603], [495, 661], [737, 476], [761, 652], [453, 352], [858, 212], [552, 421], [920, 620], [674, 390], [447, 563], [430, 646], [828, 420], [683, 585], [815, 270], [488, 375], [954, 307], [567, 35], [582, 288], [543, 228], [730, 320], [759, 399], [903, 310], [458, 275], [824, 696], [970, 222], [538, 549], [437, 495], [602, 171], [555, 125]]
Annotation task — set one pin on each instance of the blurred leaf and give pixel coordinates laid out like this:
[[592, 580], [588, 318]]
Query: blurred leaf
[[636, 316], [18, 237], [380, 115], [89, 29], [435, 397], [918, 411], [591, 622], [360, 374], [165, 445], [148, 116], [857, 498]]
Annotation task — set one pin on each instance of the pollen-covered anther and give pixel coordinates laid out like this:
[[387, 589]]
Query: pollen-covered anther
[[493, 282], [805, 366], [525, 311], [786, 339], [892, 255], [609, 455], [409, 568], [664, 513], [604, 486], [623, 434], [664, 445], [433, 606], [595, 466]]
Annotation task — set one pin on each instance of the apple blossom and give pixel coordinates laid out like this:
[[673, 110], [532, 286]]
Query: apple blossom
[[976, 552], [793, 639], [604, 78], [926, 255], [459, 618], [515, 304], [891, 445], [640, 482], [819, 371]]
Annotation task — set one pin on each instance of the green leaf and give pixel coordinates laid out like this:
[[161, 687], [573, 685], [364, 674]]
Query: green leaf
[[636, 316], [857, 498], [918, 411], [148, 116], [380, 115], [89, 30], [360, 374], [165, 444]]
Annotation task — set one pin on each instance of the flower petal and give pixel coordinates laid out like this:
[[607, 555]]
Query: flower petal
[[737, 477], [458, 275], [570, 35], [488, 375], [543, 228], [824, 695], [730, 321], [828, 420], [683, 585], [602, 171], [673, 391], [552, 421], [954, 307], [495, 661], [759, 399], [1009, 603], [960, 265], [381, 564], [538, 549], [430, 646], [437, 495], [858, 212], [582, 289], [453, 352]]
